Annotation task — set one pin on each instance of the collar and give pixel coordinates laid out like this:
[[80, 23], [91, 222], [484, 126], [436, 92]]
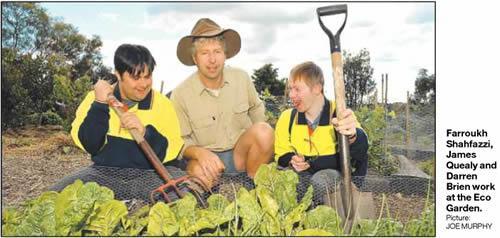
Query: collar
[[198, 85], [145, 104], [324, 115]]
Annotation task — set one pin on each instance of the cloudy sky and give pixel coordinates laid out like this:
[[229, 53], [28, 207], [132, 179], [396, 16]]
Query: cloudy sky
[[399, 36]]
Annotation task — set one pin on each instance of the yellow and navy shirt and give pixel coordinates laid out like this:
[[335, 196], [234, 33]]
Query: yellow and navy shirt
[[96, 129], [293, 136]]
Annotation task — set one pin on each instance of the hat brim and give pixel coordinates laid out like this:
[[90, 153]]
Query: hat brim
[[231, 37]]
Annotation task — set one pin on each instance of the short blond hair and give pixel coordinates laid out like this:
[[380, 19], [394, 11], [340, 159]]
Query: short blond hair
[[203, 40], [308, 72]]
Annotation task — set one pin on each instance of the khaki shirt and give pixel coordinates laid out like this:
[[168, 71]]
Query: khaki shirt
[[216, 122]]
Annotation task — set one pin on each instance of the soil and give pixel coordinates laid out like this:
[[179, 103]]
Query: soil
[[400, 207], [35, 158]]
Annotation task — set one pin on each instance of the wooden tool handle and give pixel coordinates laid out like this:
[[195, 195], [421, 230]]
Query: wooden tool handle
[[120, 109], [347, 188]]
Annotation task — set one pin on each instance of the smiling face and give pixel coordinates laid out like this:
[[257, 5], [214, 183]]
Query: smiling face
[[302, 95], [135, 87], [305, 86], [209, 57]]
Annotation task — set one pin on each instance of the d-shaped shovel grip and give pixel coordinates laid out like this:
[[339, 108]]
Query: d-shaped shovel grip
[[328, 11]]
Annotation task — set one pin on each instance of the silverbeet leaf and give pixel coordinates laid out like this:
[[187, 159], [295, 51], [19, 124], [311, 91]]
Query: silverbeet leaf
[[106, 218], [75, 203], [162, 221]]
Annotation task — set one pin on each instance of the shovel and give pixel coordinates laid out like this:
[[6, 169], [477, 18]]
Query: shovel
[[195, 185], [352, 201]]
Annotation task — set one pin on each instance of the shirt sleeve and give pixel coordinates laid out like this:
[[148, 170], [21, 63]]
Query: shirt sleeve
[[283, 149], [91, 125], [175, 141], [257, 108]]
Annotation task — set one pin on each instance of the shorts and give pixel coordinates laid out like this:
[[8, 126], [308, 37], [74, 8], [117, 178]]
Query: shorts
[[227, 157]]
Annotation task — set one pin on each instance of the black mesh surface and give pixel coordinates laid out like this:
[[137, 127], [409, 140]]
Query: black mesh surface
[[136, 184]]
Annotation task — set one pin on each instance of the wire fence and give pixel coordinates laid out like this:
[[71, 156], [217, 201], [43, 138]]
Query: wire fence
[[135, 185], [412, 132]]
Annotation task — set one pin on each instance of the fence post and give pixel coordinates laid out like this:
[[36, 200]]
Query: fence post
[[407, 124], [386, 87], [385, 113], [382, 100]]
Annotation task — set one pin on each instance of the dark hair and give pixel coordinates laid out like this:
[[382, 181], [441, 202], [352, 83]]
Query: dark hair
[[133, 59]]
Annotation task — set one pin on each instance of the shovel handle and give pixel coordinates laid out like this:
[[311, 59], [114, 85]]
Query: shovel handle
[[339, 89], [120, 109]]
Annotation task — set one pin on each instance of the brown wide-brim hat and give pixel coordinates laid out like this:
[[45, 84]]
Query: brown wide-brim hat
[[207, 28]]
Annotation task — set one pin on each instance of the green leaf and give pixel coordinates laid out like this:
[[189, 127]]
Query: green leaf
[[162, 221], [271, 224], [39, 218], [11, 216], [365, 228], [298, 213], [75, 203], [314, 232], [269, 205], [325, 218], [185, 211], [217, 202], [424, 226], [106, 217], [381, 227], [135, 224], [281, 184], [66, 149], [249, 210], [10, 221]]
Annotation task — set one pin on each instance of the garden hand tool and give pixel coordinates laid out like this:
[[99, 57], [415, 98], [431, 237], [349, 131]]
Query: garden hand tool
[[194, 185]]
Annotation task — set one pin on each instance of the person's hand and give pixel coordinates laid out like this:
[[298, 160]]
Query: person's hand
[[102, 89], [130, 121], [299, 164], [207, 165], [345, 123]]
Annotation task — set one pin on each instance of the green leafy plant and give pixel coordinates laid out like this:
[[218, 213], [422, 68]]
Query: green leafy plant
[[427, 166], [271, 209], [372, 121]]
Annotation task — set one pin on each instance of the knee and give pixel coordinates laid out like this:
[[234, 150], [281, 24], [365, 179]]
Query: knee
[[360, 147], [325, 178], [264, 135]]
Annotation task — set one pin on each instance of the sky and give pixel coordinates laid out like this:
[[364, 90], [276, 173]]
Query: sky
[[399, 36]]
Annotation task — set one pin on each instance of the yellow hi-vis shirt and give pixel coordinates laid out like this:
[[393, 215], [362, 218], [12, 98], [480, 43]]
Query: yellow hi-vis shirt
[[295, 138], [97, 130]]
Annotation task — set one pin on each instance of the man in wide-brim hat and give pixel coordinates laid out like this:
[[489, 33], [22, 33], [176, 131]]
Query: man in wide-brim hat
[[221, 116]]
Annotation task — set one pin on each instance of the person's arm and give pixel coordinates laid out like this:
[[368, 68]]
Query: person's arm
[[257, 108], [91, 124], [283, 150], [359, 153]]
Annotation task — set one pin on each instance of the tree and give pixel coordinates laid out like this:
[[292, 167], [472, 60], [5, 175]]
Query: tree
[[358, 77], [15, 98], [425, 88], [47, 66], [21, 23], [266, 77]]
